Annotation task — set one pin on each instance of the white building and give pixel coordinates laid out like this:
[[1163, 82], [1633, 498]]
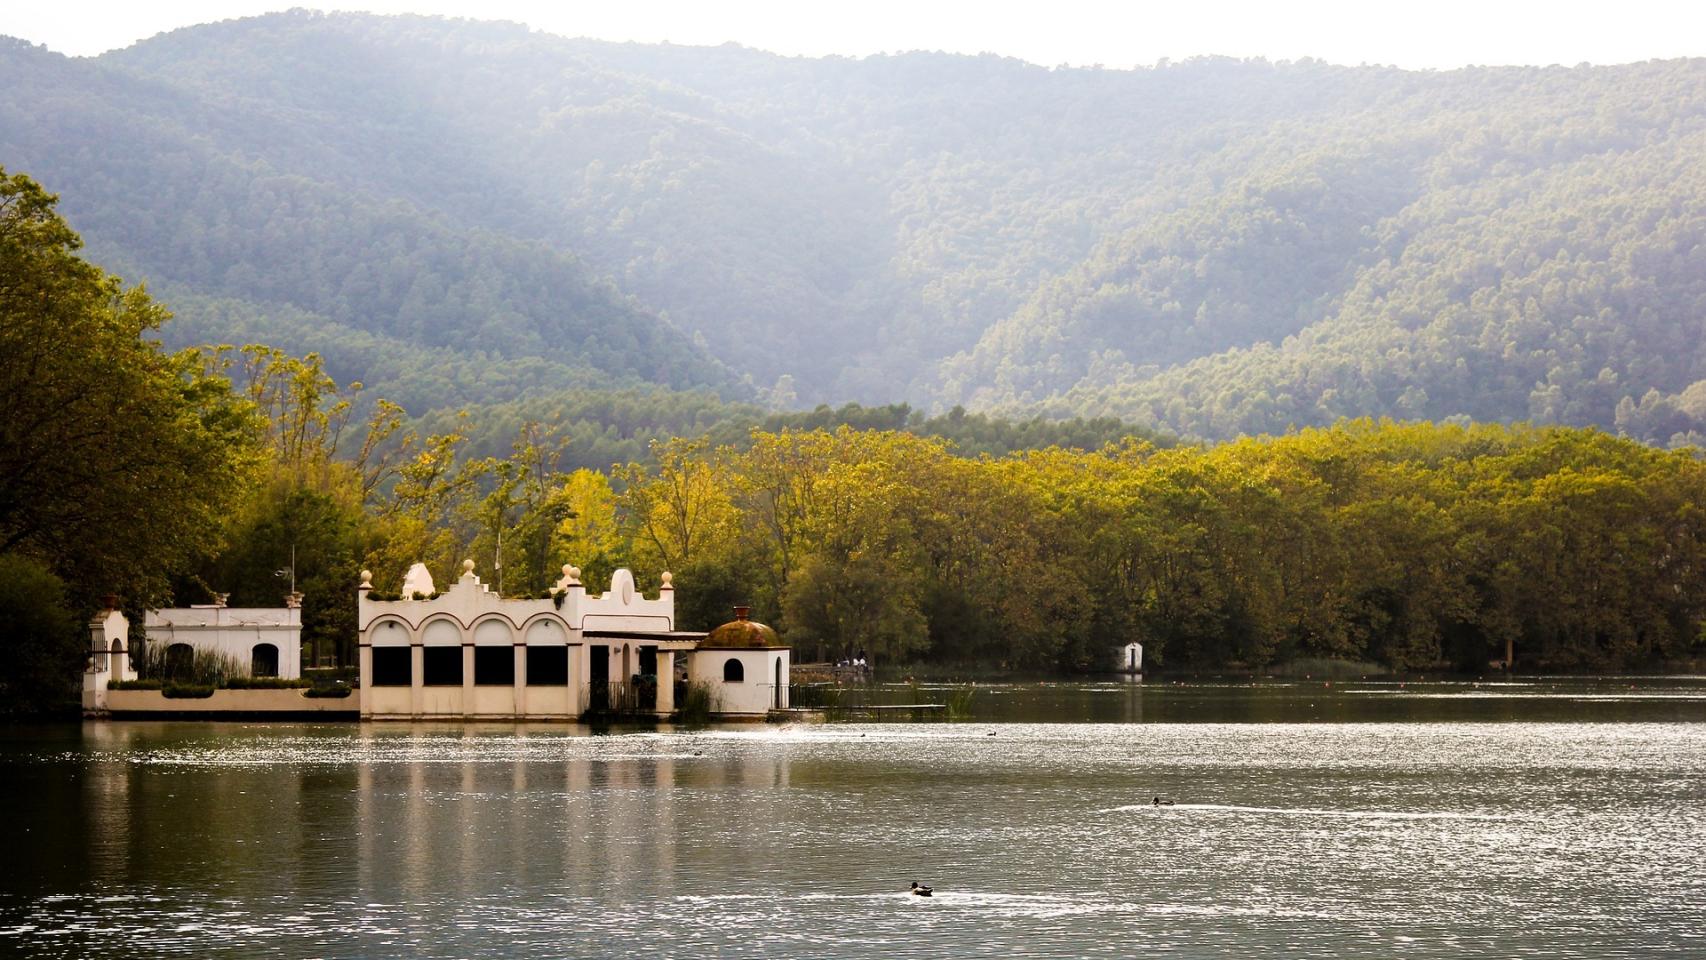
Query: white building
[[1130, 658], [109, 655], [469, 653], [743, 666], [265, 641]]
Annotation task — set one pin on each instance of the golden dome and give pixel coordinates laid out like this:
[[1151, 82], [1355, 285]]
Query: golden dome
[[742, 632]]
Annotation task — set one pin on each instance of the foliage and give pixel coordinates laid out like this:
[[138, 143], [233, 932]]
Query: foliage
[[176, 690], [43, 648], [264, 683], [1406, 546], [139, 684], [117, 460]]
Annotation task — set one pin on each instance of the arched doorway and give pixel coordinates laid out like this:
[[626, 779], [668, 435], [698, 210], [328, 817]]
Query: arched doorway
[[263, 660], [180, 661], [777, 692]]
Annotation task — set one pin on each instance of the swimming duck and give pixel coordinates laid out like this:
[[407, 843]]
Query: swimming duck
[[1163, 803], [919, 891]]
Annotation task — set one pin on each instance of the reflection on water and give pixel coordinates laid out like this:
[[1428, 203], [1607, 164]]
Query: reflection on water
[[1287, 838], [1133, 700]]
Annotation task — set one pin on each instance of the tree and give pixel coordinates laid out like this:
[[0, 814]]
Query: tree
[[118, 460], [40, 645]]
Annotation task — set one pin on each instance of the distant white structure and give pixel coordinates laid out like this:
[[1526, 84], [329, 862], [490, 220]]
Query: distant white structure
[[109, 655], [418, 581], [469, 653], [1130, 658], [266, 641]]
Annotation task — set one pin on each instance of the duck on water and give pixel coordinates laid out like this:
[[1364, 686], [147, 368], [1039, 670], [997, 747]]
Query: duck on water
[[919, 891]]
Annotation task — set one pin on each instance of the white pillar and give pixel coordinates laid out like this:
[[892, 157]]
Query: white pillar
[[467, 676], [417, 667], [520, 680], [666, 681], [365, 656]]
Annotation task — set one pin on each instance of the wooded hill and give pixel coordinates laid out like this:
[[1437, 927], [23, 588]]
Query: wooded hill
[[460, 212]]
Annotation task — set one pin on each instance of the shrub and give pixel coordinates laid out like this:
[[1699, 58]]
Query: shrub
[[44, 649], [188, 691], [264, 683], [328, 693], [134, 685]]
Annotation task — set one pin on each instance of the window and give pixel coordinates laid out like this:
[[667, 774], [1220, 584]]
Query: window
[[180, 661], [441, 666], [547, 666], [494, 666], [392, 667], [733, 672], [263, 660]]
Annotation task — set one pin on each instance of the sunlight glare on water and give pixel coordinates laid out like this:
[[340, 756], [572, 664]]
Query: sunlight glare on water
[[1577, 839]]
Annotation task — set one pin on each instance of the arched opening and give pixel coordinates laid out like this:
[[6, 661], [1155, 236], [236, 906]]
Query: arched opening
[[263, 660], [733, 672], [778, 691], [114, 663], [180, 661]]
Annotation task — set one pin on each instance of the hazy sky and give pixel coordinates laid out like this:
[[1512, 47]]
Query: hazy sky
[[1436, 33]]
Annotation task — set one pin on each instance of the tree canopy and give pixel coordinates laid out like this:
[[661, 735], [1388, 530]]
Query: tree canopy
[[118, 460]]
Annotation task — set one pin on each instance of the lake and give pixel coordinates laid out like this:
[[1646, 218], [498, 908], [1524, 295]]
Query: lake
[[1560, 818]]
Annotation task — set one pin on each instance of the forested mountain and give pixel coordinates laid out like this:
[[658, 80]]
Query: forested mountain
[[461, 212]]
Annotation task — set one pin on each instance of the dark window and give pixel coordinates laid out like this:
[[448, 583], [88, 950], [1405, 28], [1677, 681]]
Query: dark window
[[547, 666], [263, 660], [599, 668], [494, 666], [733, 672], [180, 661], [392, 667], [441, 666], [648, 661]]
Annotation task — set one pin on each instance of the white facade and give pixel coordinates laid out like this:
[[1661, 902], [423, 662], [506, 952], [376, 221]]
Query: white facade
[[759, 685], [469, 653], [109, 657], [267, 641], [1130, 658]]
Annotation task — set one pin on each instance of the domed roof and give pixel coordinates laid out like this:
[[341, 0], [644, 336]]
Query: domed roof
[[741, 632]]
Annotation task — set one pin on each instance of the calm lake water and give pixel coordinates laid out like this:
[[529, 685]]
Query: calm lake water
[[1563, 819]]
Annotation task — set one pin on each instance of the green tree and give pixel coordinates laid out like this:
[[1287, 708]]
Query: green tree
[[40, 639], [118, 461]]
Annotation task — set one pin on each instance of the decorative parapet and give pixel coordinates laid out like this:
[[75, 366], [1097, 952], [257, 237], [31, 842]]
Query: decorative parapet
[[622, 607]]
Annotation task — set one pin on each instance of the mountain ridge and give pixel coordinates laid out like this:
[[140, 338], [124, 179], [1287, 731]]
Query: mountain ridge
[[1214, 247]]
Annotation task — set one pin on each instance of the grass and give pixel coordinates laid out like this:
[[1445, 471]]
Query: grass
[[208, 668], [1327, 668], [697, 704], [960, 700]]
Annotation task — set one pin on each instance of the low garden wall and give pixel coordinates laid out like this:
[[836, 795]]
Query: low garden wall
[[286, 701]]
